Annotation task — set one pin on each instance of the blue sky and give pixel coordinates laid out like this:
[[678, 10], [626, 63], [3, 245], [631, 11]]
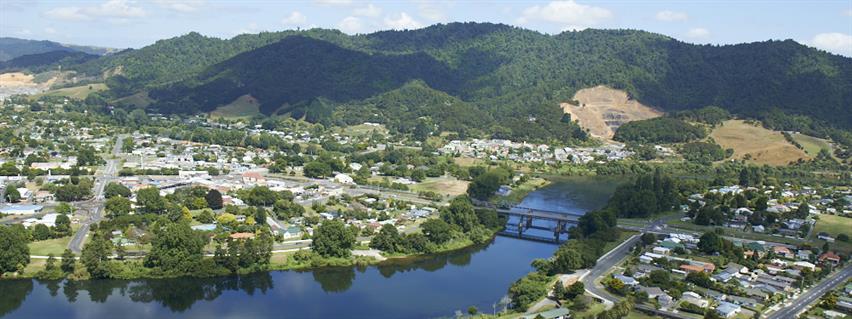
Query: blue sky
[[823, 24]]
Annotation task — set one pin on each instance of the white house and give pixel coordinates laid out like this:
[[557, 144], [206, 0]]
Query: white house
[[344, 179]]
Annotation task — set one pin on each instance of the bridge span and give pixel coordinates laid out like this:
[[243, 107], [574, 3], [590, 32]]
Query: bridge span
[[550, 221]]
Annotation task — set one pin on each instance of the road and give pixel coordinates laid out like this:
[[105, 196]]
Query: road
[[804, 300], [95, 206]]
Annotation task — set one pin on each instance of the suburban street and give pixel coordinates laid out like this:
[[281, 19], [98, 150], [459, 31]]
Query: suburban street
[[795, 306], [94, 207]]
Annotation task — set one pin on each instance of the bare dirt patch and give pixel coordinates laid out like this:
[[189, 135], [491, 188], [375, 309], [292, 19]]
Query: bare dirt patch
[[17, 79], [752, 141], [602, 110]]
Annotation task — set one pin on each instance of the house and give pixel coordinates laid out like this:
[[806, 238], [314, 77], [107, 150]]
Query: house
[[653, 292], [822, 235], [43, 196], [253, 178], [627, 280], [695, 299], [831, 314], [803, 254], [344, 179], [691, 268], [727, 309], [558, 313], [783, 252], [830, 258], [804, 265], [503, 191], [758, 229], [662, 251], [241, 218], [665, 300]]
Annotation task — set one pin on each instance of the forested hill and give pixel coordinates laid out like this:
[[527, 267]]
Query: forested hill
[[517, 76], [40, 62], [11, 48]]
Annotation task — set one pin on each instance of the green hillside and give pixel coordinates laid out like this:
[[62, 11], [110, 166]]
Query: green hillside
[[516, 76]]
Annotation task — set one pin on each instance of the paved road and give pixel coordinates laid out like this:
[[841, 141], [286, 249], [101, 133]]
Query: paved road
[[800, 303], [95, 206], [603, 266]]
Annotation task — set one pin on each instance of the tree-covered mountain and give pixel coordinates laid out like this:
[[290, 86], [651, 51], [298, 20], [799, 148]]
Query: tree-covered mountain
[[515, 76], [40, 62], [11, 48]]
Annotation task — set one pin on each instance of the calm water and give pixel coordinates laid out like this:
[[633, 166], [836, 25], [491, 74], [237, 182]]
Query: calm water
[[435, 287]]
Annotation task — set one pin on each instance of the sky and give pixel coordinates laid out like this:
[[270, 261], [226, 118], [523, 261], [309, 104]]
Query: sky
[[824, 24]]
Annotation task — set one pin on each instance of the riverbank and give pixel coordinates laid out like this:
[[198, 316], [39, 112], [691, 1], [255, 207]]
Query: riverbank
[[297, 259]]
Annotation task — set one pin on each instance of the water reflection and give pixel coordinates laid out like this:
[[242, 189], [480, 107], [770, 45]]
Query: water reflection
[[14, 294]]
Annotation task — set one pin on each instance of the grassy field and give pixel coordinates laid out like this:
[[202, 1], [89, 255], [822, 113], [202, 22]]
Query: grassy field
[[138, 100], [243, 107], [519, 192], [77, 92], [51, 246], [812, 145], [763, 146], [833, 225], [442, 185], [364, 129]]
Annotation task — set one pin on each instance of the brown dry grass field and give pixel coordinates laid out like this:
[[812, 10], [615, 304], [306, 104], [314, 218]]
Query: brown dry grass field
[[764, 146], [15, 79], [602, 110]]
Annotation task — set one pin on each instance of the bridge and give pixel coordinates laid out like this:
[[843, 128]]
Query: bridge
[[556, 222]]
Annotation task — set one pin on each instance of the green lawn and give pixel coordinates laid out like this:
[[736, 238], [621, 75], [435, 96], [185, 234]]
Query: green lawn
[[812, 145], [833, 225], [51, 246], [733, 232]]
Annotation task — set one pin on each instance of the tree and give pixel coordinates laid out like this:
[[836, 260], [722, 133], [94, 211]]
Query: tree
[[63, 226], [214, 199], [437, 231], [387, 240], [115, 189], [118, 206], [41, 232], [575, 289], [150, 201], [12, 195], [68, 261], [14, 252], [176, 249], [64, 208], [803, 210], [317, 169], [484, 186], [95, 256], [332, 239], [710, 243], [648, 238], [460, 213], [205, 217]]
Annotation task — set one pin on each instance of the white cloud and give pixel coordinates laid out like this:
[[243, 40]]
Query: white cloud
[[334, 2], [67, 13], [49, 30], [668, 15], [834, 42], [848, 13], [569, 13], [350, 25], [295, 18], [370, 10], [112, 10], [24, 32], [183, 6], [403, 22], [698, 33], [431, 11]]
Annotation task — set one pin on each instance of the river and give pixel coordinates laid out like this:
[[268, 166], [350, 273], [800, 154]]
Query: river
[[435, 287]]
